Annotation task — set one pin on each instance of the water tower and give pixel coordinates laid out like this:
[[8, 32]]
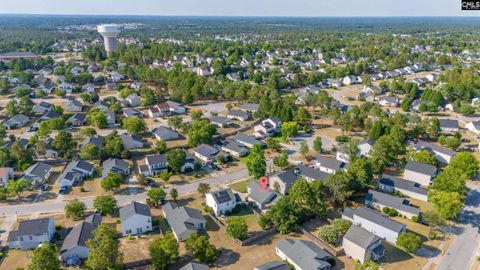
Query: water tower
[[109, 33]]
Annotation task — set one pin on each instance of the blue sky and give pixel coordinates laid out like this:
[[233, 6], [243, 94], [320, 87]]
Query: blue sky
[[239, 7]]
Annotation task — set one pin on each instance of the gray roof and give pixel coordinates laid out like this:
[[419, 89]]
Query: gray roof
[[95, 219], [219, 120], [310, 172], [330, 163], [422, 168], [134, 208], [33, 226], [262, 196], [287, 177], [180, 217], [165, 133], [71, 171], [247, 139], [421, 145], [77, 117], [375, 217], [399, 183], [129, 140], [236, 147], [250, 107], [391, 201], [115, 165], [39, 169], [448, 123], [96, 140], [238, 113], [361, 237], [206, 150], [305, 254], [156, 159], [195, 266], [223, 195], [78, 236], [276, 265]]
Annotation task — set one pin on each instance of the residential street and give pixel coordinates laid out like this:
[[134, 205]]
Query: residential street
[[465, 247]]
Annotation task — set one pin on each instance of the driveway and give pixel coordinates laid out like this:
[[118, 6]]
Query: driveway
[[465, 247]]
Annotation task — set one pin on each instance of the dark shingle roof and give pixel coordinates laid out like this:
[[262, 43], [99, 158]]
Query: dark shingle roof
[[310, 172], [39, 169], [224, 195], [391, 201], [276, 265], [156, 159], [377, 218], [78, 236], [305, 254], [361, 237], [422, 168], [402, 184], [206, 150], [329, 163], [195, 266], [448, 123], [179, 218], [33, 227], [134, 208], [246, 139]]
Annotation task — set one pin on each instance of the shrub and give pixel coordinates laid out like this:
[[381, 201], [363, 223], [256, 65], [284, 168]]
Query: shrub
[[341, 225], [328, 234], [409, 241], [58, 227], [342, 138], [415, 218]]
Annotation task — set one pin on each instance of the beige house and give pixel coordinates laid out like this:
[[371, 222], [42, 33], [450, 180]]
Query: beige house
[[362, 245]]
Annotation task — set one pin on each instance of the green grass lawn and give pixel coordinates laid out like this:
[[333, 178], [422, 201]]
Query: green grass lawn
[[241, 186], [249, 217]]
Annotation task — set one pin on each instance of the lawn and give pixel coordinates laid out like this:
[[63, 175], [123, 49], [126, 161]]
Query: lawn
[[396, 258], [240, 186], [16, 259], [250, 219]]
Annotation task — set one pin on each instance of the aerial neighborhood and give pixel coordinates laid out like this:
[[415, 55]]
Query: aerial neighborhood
[[204, 146]]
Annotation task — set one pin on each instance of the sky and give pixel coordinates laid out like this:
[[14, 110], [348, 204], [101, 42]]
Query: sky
[[311, 8]]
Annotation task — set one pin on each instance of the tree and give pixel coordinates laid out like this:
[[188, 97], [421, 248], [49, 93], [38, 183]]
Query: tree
[[163, 252], [303, 149], [203, 188], [161, 146], [359, 175], [281, 161], [273, 144], [201, 131], [410, 242], [466, 163], [341, 226], [317, 144], [329, 235], [45, 257], [284, 216], [175, 121], [425, 157], [196, 115], [237, 228], [21, 155], [90, 151], [176, 159], [18, 187], [308, 197], [104, 250], [64, 144], [75, 209], [112, 181], [338, 187], [12, 108], [105, 204], [289, 129], [255, 162], [156, 195], [199, 247], [451, 179], [97, 117], [165, 175], [174, 194], [351, 149], [25, 105], [134, 125], [448, 204]]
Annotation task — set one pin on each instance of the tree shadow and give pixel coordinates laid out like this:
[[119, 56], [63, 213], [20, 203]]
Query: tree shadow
[[227, 257], [427, 251], [184, 201], [394, 254]]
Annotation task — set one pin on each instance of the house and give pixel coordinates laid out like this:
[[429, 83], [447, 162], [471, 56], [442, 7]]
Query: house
[[350, 79], [375, 222], [235, 77], [365, 147], [154, 164], [135, 218], [136, 85], [133, 100], [267, 127], [50, 151], [444, 155], [328, 165], [449, 125], [38, 173], [372, 90], [96, 140], [250, 108], [362, 245], [473, 127], [116, 77], [281, 182], [234, 148], [163, 133], [262, 198], [42, 107], [45, 117], [420, 173], [247, 140], [238, 115], [275, 265], [74, 173], [115, 165], [310, 174], [195, 266], [166, 109], [220, 121], [89, 88], [6, 174], [183, 220], [205, 153], [303, 255], [17, 121], [131, 112], [417, 103], [74, 105], [32, 233], [411, 189], [222, 201], [75, 243], [388, 101], [131, 141], [380, 200], [66, 87], [77, 119], [110, 85], [8, 145]]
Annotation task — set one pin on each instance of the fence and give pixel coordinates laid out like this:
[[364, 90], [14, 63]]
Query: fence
[[255, 237], [216, 220], [332, 250], [140, 264]]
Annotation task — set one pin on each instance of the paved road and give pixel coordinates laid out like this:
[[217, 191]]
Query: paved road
[[54, 206], [465, 247]]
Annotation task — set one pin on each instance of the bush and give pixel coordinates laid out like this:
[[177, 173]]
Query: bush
[[341, 225], [390, 211], [409, 241], [58, 227], [342, 138], [332, 262], [415, 218], [328, 234]]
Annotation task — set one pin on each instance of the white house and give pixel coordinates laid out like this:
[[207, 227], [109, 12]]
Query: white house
[[6, 174], [380, 200], [303, 255], [267, 128], [31, 233], [75, 243], [411, 189], [135, 219], [473, 127], [420, 173], [222, 201], [362, 245], [183, 220]]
